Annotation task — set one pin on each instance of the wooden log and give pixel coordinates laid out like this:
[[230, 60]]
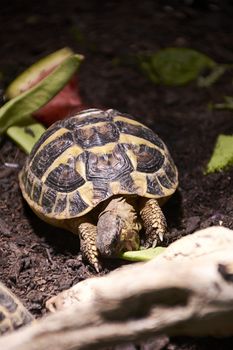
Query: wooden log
[[173, 296]]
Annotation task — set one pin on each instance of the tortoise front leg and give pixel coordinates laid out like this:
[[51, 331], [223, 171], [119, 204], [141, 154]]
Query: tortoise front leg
[[153, 221], [87, 234]]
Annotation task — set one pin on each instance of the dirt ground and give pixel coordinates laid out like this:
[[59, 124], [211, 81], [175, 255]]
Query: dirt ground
[[38, 261]]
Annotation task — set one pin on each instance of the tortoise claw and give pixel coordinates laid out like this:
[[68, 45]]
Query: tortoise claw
[[160, 234], [98, 267]]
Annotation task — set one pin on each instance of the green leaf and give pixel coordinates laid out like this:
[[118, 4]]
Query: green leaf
[[17, 110], [228, 104], [175, 66], [26, 136], [222, 157], [142, 255]]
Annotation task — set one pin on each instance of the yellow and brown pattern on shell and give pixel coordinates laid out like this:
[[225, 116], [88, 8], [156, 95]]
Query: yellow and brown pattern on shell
[[13, 314], [85, 159]]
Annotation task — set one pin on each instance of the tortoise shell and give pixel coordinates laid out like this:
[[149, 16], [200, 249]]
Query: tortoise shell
[[85, 159], [12, 312]]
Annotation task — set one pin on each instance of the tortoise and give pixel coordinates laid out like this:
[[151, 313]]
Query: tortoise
[[13, 314], [103, 176]]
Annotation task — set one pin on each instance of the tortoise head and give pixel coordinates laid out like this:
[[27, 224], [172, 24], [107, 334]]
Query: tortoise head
[[117, 229]]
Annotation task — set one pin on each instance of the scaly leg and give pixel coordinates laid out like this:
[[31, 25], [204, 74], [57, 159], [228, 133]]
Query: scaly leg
[[87, 234], [154, 222]]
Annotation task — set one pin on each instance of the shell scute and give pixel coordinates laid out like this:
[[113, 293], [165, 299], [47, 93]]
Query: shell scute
[[12, 312], [76, 204], [89, 117], [7, 301], [164, 181], [153, 186], [170, 172], [108, 166], [127, 184], [44, 137], [140, 131], [37, 190], [149, 160], [46, 156], [98, 135], [64, 178], [101, 190], [48, 200], [60, 204]]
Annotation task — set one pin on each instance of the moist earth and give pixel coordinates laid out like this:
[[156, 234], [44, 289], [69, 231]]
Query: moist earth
[[38, 261]]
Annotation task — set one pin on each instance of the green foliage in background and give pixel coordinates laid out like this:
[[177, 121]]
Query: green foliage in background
[[179, 66]]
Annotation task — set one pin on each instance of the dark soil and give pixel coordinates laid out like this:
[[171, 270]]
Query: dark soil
[[38, 261]]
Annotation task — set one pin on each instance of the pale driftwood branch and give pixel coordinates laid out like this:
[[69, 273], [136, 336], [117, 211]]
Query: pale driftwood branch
[[173, 294]]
